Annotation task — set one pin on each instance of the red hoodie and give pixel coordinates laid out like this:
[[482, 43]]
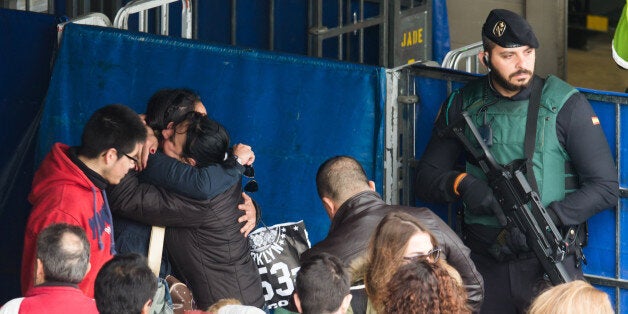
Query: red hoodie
[[62, 192]]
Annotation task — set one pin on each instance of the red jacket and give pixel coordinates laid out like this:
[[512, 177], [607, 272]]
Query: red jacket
[[53, 299], [62, 192]]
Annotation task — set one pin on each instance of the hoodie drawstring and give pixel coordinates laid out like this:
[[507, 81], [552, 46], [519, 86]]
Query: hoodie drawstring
[[110, 220]]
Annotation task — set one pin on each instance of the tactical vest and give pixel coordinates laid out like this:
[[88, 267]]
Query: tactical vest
[[507, 119]]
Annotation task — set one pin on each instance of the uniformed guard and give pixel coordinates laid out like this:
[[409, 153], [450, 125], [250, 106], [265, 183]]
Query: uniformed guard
[[573, 170]]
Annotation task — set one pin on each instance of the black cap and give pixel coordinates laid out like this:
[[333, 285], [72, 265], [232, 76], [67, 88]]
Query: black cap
[[509, 29]]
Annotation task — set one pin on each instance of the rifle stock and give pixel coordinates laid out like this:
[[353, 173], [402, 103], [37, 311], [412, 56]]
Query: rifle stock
[[521, 205]]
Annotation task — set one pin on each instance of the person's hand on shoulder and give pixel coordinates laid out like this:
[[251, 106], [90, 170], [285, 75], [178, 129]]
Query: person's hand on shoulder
[[250, 215], [149, 147]]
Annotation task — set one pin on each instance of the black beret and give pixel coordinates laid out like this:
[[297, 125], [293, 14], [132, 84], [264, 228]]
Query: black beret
[[509, 29]]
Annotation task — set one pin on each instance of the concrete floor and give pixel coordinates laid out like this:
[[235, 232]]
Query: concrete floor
[[594, 67]]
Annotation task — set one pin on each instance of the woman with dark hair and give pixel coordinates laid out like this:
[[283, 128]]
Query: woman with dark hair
[[422, 287]]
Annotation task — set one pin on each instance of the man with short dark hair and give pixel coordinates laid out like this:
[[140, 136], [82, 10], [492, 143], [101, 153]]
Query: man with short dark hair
[[323, 286], [546, 123], [70, 184], [62, 262], [125, 285], [355, 210]]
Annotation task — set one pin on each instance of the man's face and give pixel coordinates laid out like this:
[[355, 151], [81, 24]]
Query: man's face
[[174, 141], [120, 167], [512, 68]]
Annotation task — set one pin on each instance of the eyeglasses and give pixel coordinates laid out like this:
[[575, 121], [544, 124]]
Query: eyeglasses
[[252, 185], [132, 159], [433, 255]]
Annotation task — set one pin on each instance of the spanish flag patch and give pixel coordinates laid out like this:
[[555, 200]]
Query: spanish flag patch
[[595, 120]]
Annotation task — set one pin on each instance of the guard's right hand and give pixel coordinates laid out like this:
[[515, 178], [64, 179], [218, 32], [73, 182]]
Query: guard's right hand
[[479, 199]]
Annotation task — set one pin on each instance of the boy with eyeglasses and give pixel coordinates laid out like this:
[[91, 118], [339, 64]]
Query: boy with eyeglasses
[[70, 184]]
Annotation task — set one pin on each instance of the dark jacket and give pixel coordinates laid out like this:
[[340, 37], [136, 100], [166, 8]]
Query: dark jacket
[[357, 218], [203, 239]]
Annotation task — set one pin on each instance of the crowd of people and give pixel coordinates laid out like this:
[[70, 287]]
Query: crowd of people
[[88, 238]]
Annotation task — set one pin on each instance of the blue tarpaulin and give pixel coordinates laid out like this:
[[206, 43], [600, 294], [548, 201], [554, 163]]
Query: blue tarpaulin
[[28, 41], [294, 111]]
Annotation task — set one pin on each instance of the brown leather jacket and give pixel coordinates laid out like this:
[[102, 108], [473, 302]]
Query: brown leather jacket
[[356, 219]]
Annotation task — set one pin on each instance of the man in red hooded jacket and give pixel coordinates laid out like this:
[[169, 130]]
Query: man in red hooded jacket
[[70, 184]]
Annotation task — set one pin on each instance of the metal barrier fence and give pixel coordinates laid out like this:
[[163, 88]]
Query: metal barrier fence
[[142, 8], [465, 59]]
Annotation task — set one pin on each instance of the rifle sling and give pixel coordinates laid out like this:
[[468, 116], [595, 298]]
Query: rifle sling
[[530, 135]]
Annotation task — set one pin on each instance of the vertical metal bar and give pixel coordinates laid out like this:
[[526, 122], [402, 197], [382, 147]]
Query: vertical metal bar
[[165, 19], [187, 23], [618, 209], [27, 5], [361, 38], [234, 22], [271, 26], [340, 24], [142, 21], [51, 6], [83, 7], [383, 33], [195, 19], [349, 19], [315, 24]]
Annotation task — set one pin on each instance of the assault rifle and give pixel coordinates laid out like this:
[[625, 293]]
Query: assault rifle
[[521, 205]]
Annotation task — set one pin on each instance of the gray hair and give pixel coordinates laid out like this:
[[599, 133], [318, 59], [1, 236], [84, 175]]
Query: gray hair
[[64, 252]]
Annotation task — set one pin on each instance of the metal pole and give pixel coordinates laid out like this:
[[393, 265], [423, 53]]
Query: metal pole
[[618, 209], [234, 22], [361, 38], [271, 26], [165, 15], [340, 24], [195, 19]]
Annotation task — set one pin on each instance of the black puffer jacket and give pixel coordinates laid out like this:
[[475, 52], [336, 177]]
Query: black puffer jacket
[[203, 239], [357, 218]]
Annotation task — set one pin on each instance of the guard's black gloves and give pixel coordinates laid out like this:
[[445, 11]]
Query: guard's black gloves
[[479, 199]]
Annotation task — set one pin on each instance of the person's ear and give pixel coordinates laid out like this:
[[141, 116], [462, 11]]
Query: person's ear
[[484, 58], [146, 307], [167, 133], [297, 302], [346, 303], [330, 207], [110, 156], [40, 277], [372, 185]]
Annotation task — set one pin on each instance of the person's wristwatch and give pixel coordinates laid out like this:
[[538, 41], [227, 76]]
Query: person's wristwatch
[[237, 159]]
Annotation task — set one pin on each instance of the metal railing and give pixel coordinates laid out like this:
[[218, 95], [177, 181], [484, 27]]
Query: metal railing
[[142, 8], [97, 19], [465, 59], [350, 23]]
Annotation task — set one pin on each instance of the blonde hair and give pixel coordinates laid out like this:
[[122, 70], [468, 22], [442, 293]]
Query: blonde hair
[[222, 302], [576, 297]]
